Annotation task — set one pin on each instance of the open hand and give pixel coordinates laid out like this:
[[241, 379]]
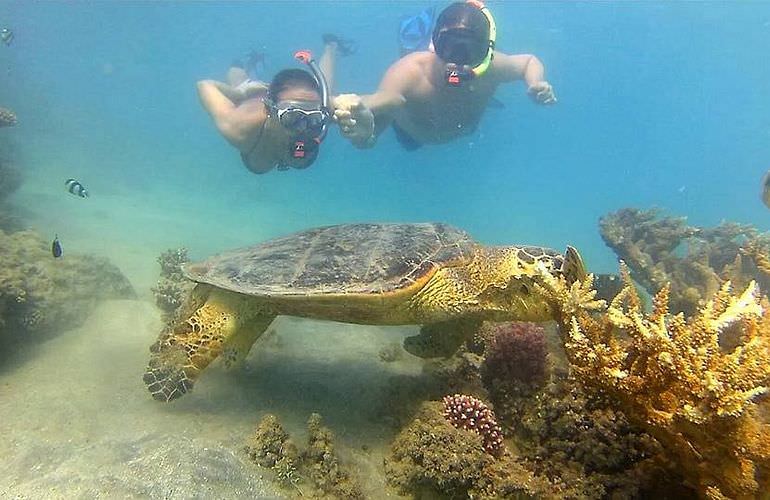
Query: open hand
[[542, 93], [356, 121]]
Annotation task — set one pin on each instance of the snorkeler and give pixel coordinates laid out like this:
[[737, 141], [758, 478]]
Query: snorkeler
[[280, 125], [437, 95]]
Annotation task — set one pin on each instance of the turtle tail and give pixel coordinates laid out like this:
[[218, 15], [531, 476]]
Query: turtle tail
[[573, 269]]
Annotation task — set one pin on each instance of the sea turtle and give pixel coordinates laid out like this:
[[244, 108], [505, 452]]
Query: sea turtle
[[428, 274]]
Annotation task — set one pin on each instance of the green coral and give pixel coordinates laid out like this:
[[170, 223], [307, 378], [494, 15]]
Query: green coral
[[316, 469], [172, 287], [323, 464]]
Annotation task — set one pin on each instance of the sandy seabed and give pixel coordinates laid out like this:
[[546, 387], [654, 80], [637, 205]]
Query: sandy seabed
[[78, 422]]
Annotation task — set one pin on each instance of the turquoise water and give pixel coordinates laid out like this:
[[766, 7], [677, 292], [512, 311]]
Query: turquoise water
[[661, 104]]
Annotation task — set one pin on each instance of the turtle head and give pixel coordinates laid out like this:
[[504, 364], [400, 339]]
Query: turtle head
[[512, 275]]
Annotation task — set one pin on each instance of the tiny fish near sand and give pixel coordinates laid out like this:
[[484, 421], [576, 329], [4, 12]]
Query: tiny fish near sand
[[76, 188]]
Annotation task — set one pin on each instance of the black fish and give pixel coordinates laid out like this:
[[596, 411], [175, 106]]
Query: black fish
[[76, 188], [56, 247], [6, 36], [607, 286]]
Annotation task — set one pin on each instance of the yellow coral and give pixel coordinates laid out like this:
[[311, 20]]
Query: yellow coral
[[671, 376]]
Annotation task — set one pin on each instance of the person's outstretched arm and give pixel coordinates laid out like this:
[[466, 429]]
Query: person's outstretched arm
[[528, 68], [363, 118], [235, 125]]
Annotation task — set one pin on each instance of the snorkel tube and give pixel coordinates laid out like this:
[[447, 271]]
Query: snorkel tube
[[306, 57], [483, 66]]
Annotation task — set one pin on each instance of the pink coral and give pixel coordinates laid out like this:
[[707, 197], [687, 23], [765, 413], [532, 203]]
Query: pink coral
[[515, 352], [469, 413]]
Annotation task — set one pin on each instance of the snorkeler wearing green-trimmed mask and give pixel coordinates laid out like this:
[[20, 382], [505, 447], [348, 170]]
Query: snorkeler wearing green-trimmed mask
[[437, 95]]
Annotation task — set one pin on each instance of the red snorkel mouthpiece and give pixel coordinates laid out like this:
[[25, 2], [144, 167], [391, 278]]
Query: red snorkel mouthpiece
[[299, 150], [303, 56]]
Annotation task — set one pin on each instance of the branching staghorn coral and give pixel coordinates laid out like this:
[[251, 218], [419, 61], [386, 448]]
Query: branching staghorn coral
[[672, 377], [663, 250]]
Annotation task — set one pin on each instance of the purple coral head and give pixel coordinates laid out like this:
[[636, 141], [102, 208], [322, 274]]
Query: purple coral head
[[516, 352], [469, 413]]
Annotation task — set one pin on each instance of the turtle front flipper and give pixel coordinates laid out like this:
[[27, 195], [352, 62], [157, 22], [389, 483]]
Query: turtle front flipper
[[219, 321], [442, 339]]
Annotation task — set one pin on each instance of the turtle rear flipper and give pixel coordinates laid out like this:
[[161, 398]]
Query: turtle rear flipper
[[220, 324], [441, 339]]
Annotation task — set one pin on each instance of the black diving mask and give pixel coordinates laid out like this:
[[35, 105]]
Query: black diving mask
[[461, 46], [467, 53]]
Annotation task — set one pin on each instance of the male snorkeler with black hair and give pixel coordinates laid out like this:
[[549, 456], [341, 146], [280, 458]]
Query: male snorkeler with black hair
[[280, 125], [435, 96]]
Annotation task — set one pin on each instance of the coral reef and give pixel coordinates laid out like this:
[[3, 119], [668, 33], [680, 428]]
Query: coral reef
[[271, 447], [7, 117], [673, 378], [664, 250], [40, 293], [315, 471], [515, 352], [323, 464], [172, 286], [471, 414], [10, 179], [585, 446], [573, 444], [432, 457]]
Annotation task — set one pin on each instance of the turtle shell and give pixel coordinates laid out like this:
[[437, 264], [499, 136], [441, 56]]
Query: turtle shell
[[343, 259]]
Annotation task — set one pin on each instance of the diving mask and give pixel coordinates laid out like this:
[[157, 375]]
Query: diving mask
[[308, 127], [293, 117], [467, 54]]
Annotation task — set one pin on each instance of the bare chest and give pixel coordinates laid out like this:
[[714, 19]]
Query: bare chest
[[442, 114]]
